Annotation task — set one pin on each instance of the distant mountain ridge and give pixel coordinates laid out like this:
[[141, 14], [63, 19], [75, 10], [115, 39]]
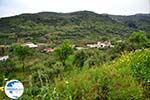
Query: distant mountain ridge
[[51, 27]]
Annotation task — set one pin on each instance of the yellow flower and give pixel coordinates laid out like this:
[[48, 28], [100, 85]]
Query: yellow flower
[[1, 88], [66, 82]]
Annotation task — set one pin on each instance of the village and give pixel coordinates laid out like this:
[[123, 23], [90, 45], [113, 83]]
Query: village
[[45, 49]]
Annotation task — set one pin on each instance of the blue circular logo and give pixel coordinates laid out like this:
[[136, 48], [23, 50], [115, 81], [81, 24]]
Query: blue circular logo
[[14, 89]]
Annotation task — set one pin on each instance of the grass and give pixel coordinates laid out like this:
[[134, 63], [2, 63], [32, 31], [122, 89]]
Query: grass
[[111, 81], [126, 77]]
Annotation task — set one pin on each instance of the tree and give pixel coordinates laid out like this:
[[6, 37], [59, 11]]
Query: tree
[[80, 58], [138, 37], [22, 53], [63, 51], [138, 40]]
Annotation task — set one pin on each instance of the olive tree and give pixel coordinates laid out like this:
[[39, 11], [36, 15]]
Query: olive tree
[[21, 52]]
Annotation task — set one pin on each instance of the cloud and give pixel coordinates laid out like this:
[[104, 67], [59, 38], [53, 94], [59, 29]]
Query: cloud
[[119, 7]]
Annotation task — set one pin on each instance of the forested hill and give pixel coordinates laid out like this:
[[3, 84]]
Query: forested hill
[[50, 27], [138, 21]]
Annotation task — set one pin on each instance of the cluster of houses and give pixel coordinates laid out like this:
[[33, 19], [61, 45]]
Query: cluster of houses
[[105, 44], [100, 44], [32, 45]]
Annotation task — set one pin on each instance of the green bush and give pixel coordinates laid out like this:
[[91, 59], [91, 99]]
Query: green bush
[[63, 51], [140, 64], [90, 57], [115, 81]]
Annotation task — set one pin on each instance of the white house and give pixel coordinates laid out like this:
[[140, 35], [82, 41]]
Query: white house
[[92, 45], [47, 50], [31, 45], [80, 48], [4, 58]]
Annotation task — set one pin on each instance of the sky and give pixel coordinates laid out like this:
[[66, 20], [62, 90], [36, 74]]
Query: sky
[[115, 7]]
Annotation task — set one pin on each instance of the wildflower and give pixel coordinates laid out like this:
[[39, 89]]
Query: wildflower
[[66, 82], [1, 88], [5, 79]]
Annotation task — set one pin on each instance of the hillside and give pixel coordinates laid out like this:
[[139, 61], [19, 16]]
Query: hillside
[[126, 78], [81, 26], [76, 56], [118, 80], [138, 21]]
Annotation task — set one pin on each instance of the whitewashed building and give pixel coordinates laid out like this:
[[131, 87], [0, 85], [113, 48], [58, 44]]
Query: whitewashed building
[[80, 48], [4, 58], [31, 45]]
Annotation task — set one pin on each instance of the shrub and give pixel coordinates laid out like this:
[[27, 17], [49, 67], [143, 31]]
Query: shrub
[[90, 58], [114, 81], [140, 64], [64, 51]]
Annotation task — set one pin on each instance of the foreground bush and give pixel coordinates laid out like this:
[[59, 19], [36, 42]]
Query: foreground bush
[[118, 80]]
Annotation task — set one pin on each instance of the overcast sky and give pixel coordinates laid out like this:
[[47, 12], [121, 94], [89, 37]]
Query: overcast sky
[[117, 7]]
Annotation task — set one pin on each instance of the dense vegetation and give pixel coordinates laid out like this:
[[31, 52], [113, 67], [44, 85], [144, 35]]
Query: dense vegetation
[[79, 27], [121, 72]]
